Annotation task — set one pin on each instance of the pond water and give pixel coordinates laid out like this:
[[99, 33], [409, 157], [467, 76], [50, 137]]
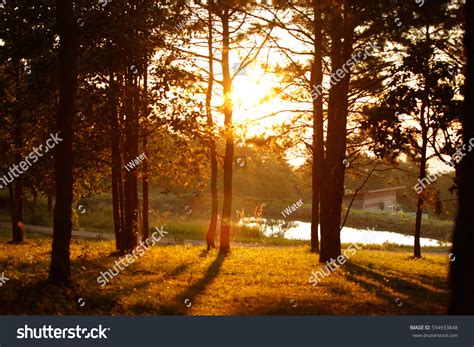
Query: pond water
[[302, 231]]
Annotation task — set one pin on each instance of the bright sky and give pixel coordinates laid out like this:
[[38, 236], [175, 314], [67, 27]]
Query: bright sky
[[253, 92]]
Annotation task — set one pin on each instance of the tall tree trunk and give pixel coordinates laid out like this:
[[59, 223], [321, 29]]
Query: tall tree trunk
[[18, 228], [116, 165], [131, 153], [420, 198], [318, 126], [211, 232], [17, 208], [333, 188], [121, 144], [116, 208], [462, 271], [146, 205], [424, 123], [60, 269], [229, 137]]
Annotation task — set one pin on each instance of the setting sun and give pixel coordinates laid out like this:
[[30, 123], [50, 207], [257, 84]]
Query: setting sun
[[251, 94]]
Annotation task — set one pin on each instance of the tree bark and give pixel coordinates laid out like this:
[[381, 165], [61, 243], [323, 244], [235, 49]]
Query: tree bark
[[18, 228], [117, 183], [131, 152], [211, 232], [121, 144], [420, 198], [462, 271], [60, 269], [229, 137], [318, 127], [17, 184], [145, 231], [424, 123], [333, 188]]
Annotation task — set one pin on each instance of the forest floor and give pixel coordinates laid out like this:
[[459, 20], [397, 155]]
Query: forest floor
[[188, 280]]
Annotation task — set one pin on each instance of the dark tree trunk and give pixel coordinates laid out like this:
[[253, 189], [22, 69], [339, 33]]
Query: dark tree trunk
[[131, 152], [146, 204], [318, 127], [116, 165], [120, 176], [60, 269], [17, 207], [333, 187], [417, 233], [229, 138], [420, 198], [462, 271], [18, 227], [424, 123], [116, 209], [211, 232], [333, 163]]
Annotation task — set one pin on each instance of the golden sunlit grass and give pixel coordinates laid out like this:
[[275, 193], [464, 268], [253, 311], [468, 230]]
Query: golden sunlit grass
[[249, 281]]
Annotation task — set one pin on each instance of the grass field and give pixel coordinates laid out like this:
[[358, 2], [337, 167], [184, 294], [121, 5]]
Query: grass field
[[187, 280]]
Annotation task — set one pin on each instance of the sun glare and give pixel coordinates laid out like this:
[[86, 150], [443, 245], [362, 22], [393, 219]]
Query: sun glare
[[252, 95]]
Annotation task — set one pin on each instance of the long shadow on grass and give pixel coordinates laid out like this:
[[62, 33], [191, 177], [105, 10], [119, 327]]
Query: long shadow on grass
[[41, 297], [396, 283], [373, 282], [176, 272], [196, 289]]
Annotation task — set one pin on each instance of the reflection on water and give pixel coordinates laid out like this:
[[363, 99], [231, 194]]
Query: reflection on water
[[302, 231]]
